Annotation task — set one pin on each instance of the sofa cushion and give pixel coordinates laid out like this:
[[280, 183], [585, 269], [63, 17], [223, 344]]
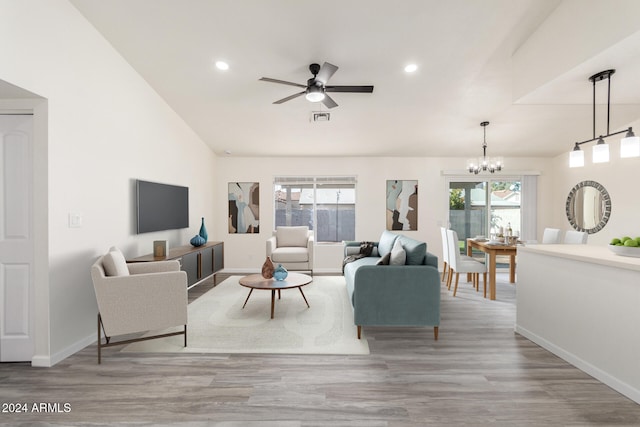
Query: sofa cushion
[[292, 236], [387, 239], [114, 264], [416, 250], [398, 254]]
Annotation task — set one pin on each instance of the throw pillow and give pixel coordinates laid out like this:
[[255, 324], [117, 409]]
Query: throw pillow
[[384, 260], [415, 250], [114, 264], [387, 239], [398, 254]]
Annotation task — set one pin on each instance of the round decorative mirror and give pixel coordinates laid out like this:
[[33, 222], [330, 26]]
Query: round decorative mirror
[[588, 207]]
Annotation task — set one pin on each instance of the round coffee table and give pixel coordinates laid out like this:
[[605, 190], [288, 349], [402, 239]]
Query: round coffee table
[[293, 280]]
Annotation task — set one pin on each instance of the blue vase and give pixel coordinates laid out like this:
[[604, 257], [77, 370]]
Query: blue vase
[[280, 273], [197, 240], [203, 232]]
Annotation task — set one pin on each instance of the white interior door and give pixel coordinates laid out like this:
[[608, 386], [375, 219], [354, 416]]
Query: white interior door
[[16, 239]]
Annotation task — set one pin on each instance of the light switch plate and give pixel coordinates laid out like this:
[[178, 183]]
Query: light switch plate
[[75, 220]]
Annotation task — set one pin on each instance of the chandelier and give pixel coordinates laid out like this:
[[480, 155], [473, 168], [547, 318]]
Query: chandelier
[[485, 163], [629, 145]]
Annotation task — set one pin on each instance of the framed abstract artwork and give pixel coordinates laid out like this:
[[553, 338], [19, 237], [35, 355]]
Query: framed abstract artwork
[[402, 204], [244, 207]]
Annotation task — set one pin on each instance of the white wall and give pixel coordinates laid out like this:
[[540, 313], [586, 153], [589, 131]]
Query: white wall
[[247, 251], [619, 177], [106, 127]]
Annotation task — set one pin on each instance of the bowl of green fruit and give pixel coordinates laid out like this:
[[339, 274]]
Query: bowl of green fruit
[[625, 246]]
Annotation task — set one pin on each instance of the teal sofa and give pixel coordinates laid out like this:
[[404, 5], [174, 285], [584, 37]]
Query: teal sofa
[[394, 295]]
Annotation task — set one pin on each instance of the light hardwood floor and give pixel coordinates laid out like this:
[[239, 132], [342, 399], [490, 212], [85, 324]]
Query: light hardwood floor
[[479, 372]]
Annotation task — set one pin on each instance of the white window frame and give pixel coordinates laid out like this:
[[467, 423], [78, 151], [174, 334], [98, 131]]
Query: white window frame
[[315, 181]]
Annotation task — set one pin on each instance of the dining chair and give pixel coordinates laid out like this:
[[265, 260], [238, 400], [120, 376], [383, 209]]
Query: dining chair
[[551, 236], [458, 264], [445, 255], [573, 237]]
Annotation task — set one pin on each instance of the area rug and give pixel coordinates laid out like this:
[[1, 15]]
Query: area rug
[[219, 324]]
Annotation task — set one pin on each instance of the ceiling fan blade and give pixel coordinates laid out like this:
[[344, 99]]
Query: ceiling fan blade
[[289, 98], [329, 102], [267, 79], [355, 89], [326, 72]]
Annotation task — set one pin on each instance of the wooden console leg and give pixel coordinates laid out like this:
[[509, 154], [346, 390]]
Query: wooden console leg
[[435, 333]]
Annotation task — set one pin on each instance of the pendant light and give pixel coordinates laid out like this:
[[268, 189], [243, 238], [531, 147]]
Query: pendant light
[[629, 145], [484, 163]]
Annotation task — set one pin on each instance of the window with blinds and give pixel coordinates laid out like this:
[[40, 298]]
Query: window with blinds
[[324, 204]]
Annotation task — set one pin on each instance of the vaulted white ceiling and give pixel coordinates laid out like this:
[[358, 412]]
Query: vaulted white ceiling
[[523, 65]]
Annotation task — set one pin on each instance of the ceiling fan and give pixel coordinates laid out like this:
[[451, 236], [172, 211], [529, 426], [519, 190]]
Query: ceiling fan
[[316, 88]]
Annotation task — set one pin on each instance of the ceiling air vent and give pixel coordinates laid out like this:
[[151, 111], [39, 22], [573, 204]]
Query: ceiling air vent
[[320, 116]]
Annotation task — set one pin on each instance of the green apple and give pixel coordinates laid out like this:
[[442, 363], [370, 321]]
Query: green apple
[[615, 241], [637, 239], [625, 238], [631, 243]]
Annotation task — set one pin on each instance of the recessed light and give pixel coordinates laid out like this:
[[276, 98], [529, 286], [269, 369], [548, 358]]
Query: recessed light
[[410, 68], [221, 65]]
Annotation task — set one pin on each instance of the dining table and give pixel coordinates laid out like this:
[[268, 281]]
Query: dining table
[[493, 250]]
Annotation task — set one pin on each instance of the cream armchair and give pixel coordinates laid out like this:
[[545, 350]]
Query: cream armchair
[[138, 297], [292, 247]]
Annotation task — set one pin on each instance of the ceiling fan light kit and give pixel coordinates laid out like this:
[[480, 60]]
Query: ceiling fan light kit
[[316, 88], [315, 94], [629, 145], [493, 164]]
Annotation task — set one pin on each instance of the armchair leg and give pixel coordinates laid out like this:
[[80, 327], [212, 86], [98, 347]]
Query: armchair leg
[[99, 340], [435, 333], [185, 335], [359, 331]]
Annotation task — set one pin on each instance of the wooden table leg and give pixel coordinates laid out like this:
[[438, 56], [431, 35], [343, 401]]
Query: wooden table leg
[[273, 300], [512, 269], [470, 254], [492, 275], [305, 298], [245, 301]]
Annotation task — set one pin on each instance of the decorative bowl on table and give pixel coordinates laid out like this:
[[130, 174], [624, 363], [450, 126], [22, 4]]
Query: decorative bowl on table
[[625, 250]]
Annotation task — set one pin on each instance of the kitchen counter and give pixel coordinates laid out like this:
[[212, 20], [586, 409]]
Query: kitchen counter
[[582, 303]]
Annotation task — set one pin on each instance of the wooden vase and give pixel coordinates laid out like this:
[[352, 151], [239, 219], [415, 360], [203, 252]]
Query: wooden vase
[[268, 268]]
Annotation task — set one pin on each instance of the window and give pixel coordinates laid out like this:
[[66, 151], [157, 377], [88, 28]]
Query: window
[[326, 205], [481, 205], [484, 208]]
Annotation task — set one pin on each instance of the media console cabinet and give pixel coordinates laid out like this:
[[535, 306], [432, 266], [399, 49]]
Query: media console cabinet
[[199, 263]]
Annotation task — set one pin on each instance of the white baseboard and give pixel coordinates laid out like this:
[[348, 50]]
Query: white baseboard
[[597, 373], [45, 361]]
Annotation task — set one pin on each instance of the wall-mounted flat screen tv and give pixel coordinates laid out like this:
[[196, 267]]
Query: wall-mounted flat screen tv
[[161, 206]]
